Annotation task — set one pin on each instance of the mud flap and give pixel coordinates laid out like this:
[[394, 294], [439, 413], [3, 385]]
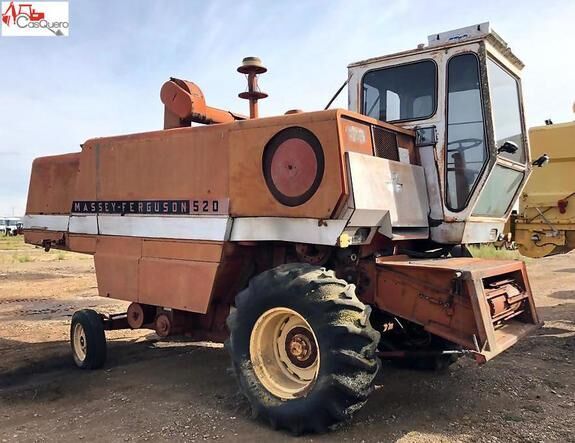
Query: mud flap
[[485, 306]]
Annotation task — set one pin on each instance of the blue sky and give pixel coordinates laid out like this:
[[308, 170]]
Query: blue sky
[[105, 78]]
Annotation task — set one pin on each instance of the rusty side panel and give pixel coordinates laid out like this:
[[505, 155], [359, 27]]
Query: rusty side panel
[[179, 274], [355, 136], [180, 164], [116, 261], [85, 244], [176, 274], [179, 250], [52, 184], [247, 142], [86, 183], [236, 268], [179, 284], [482, 305], [426, 297]]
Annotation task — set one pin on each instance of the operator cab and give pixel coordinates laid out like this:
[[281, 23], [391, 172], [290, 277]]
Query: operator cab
[[462, 95]]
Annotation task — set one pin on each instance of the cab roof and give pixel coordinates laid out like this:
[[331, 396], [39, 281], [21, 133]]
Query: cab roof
[[455, 37]]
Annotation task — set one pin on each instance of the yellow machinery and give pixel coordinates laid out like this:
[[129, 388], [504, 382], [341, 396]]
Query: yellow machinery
[[545, 223]]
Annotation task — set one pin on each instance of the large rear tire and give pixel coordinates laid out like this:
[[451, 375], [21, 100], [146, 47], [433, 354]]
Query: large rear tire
[[302, 348]]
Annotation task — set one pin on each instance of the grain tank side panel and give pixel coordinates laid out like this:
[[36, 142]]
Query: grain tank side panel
[[249, 193], [86, 183], [51, 191], [85, 244], [52, 184], [180, 284], [182, 163], [178, 274], [117, 266]]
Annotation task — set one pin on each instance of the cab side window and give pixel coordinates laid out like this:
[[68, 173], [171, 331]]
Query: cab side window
[[401, 93], [466, 150]]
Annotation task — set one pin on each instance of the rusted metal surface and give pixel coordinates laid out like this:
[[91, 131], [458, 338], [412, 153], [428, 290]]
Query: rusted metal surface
[[179, 284], [140, 316], [312, 254], [482, 305], [41, 238], [135, 316], [117, 267], [356, 136], [185, 103], [85, 244], [252, 67], [114, 322], [163, 325], [56, 174], [293, 167], [246, 167]]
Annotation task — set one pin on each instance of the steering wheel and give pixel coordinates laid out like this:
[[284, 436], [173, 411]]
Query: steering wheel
[[465, 143]]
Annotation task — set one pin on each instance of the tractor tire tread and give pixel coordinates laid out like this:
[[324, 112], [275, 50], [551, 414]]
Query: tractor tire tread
[[331, 307]]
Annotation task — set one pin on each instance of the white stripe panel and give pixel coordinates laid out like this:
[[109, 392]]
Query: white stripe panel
[[193, 228], [299, 230], [215, 228], [47, 222], [83, 224]]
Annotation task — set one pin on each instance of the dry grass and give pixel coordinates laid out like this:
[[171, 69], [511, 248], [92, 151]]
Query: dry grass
[[490, 252], [24, 258], [10, 243], [14, 250]]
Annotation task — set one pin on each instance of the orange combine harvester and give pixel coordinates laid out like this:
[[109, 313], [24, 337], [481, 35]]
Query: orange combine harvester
[[313, 242]]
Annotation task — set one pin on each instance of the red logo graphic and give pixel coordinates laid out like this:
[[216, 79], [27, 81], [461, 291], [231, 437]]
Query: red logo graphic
[[25, 9]]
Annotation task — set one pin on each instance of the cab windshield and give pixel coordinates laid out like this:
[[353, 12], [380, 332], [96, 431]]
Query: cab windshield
[[504, 92]]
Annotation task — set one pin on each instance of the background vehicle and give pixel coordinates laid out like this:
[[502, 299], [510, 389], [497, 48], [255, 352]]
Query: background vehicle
[[545, 222], [10, 225], [262, 207]]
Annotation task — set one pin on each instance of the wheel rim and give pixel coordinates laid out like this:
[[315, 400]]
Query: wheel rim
[[79, 342], [284, 353]]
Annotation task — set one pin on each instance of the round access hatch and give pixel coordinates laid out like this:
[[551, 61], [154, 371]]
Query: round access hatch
[[293, 165]]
